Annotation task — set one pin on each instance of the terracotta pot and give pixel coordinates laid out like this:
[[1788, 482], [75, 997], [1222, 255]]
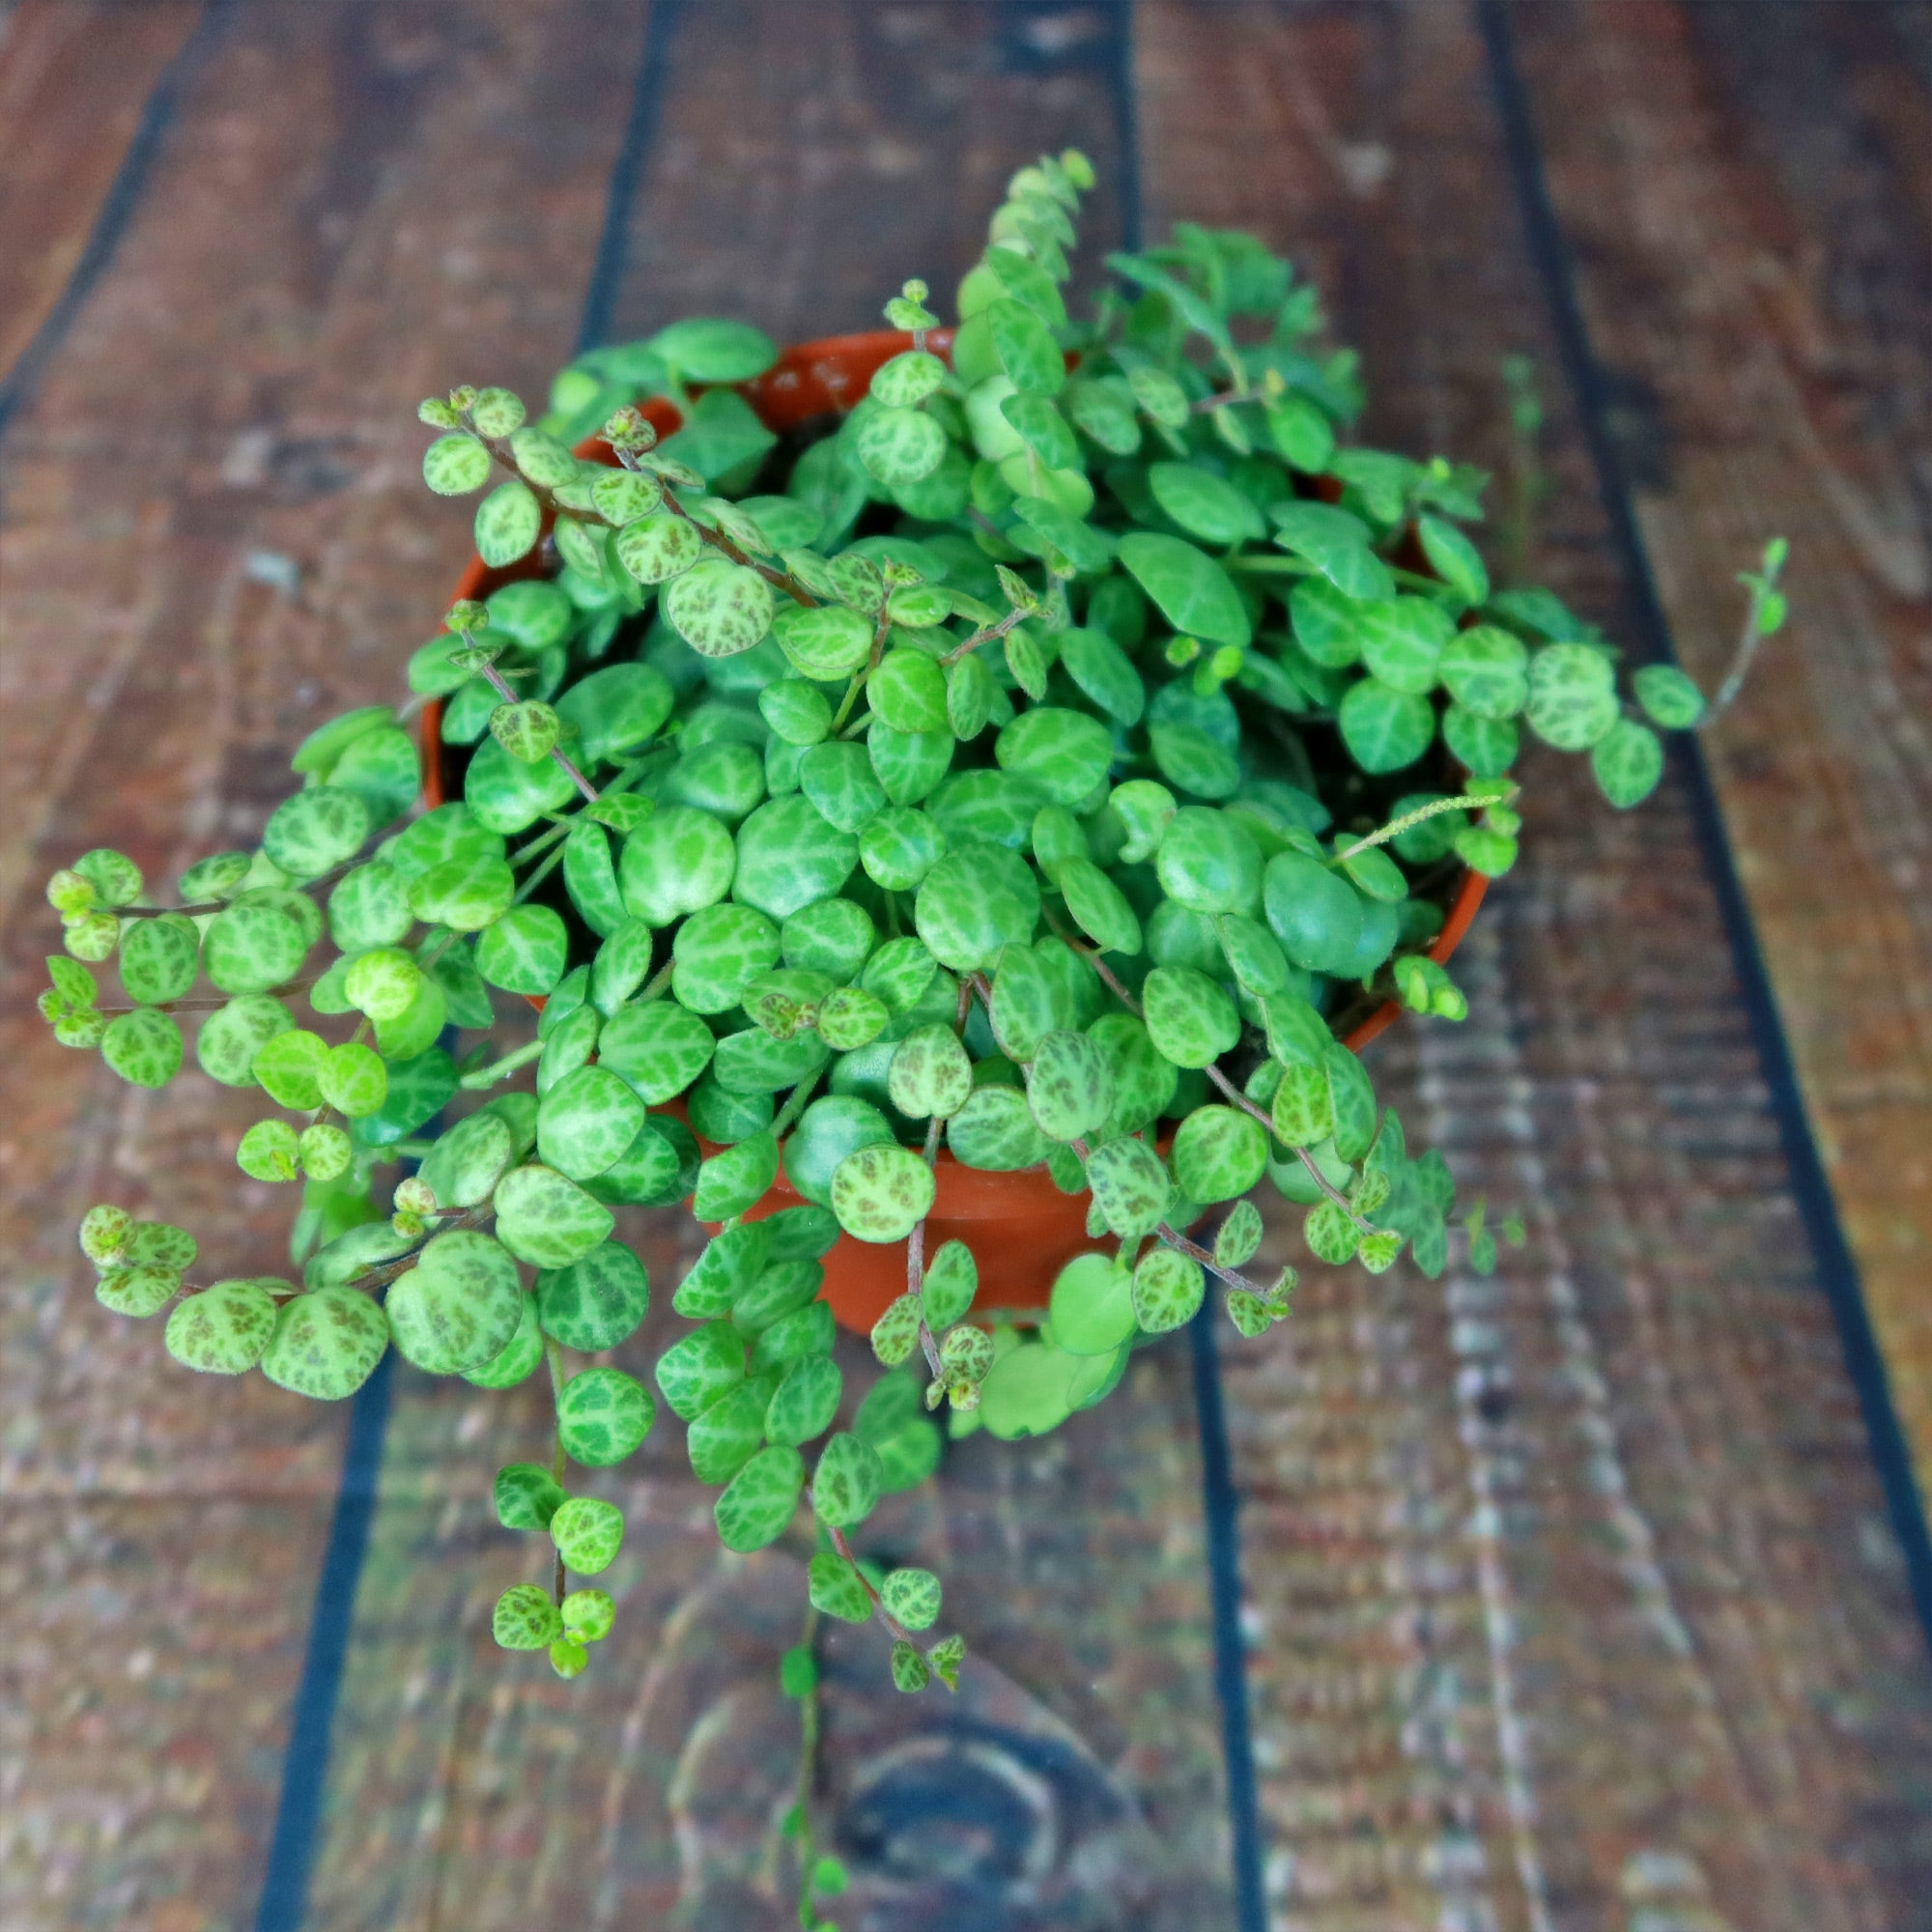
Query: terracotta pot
[[1020, 1227]]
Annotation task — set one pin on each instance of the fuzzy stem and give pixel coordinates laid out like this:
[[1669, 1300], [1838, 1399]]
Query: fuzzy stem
[[1410, 819]]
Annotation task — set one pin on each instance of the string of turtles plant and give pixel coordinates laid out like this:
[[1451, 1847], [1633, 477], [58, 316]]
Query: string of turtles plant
[[1041, 764]]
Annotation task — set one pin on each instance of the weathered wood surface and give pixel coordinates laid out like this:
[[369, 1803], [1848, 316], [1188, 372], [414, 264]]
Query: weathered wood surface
[[1747, 190], [82, 111], [1570, 1594], [1575, 1581], [355, 198]]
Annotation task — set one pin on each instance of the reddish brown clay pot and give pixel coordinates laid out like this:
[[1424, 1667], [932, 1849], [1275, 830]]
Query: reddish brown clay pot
[[1020, 1227]]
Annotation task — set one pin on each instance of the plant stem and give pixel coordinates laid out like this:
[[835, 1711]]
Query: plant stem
[[900, 1634], [497, 1069], [553, 1360]]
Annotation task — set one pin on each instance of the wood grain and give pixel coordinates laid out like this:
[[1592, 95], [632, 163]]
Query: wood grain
[[1573, 1589], [356, 200], [82, 108], [1747, 202]]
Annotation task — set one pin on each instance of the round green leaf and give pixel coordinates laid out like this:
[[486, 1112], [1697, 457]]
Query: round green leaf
[[930, 1074], [589, 1532], [1193, 761], [455, 465], [509, 522], [467, 1161], [525, 950], [586, 1121], [899, 445], [655, 549], [248, 948], [355, 1080], [143, 1048], [603, 1415], [1025, 347], [465, 894], [1131, 1188], [325, 1343], [526, 1495], [908, 691], [1219, 1153], [1455, 559], [1315, 912], [231, 1035], [728, 1434], [548, 1220], [1066, 753], [711, 348], [507, 795], [806, 1402], [459, 1306], [1572, 696], [1194, 593], [1401, 642], [761, 1500], [827, 1131], [1099, 908], [525, 1618], [975, 902], [1093, 1308], [720, 608], [595, 1302], [659, 1048], [1383, 728], [836, 1589], [880, 1193], [1190, 1019], [1487, 746], [1485, 671], [1069, 1085], [1168, 1289], [159, 958], [996, 1130], [739, 1177], [1029, 1391], [1209, 863], [289, 1067], [719, 951], [846, 1485], [1669, 697], [316, 831], [369, 908], [899, 847], [826, 642], [1628, 761], [223, 1330], [839, 780], [788, 856]]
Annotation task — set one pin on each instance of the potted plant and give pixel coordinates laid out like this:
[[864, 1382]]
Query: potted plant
[[958, 797]]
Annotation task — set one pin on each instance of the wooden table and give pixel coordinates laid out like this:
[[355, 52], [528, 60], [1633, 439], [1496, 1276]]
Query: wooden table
[[1593, 1591]]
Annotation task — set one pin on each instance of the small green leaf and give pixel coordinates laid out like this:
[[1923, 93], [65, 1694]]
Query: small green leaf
[[1384, 728], [718, 608], [588, 1532], [1669, 698], [548, 1220], [325, 1343], [913, 1596], [460, 1304], [525, 1618], [846, 1482], [455, 465], [836, 1589], [603, 1415], [761, 1500], [1219, 1152], [1190, 1020], [508, 522], [1456, 559], [1167, 1289], [1628, 761], [657, 548], [881, 1192], [143, 1048], [1573, 697], [223, 1330], [1093, 1308], [159, 958], [1193, 591]]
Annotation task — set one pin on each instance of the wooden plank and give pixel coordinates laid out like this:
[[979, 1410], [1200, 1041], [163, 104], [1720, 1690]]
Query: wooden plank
[[1563, 1584], [83, 112], [1074, 1567], [356, 202], [1755, 249]]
